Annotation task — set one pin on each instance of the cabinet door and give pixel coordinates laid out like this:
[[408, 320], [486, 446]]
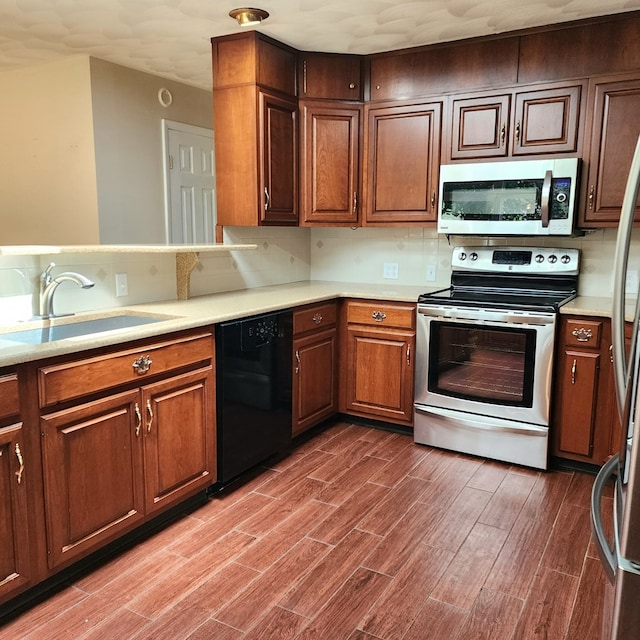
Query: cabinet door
[[402, 151], [332, 76], [14, 530], [314, 380], [379, 372], [179, 437], [615, 128], [330, 169], [578, 396], [546, 121], [279, 165], [479, 127], [93, 471]]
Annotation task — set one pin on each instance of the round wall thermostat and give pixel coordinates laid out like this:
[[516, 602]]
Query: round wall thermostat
[[164, 97]]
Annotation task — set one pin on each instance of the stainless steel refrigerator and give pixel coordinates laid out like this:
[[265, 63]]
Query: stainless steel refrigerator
[[620, 554]]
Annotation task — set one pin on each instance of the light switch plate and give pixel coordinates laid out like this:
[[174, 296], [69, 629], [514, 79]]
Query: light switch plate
[[122, 285]]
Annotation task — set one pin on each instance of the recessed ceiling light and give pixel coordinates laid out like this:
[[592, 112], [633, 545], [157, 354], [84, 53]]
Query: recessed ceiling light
[[248, 17]]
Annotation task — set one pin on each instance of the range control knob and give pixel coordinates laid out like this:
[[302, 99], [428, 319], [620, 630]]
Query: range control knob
[[565, 259], [473, 256], [539, 258], [553, 258], [462, 256]]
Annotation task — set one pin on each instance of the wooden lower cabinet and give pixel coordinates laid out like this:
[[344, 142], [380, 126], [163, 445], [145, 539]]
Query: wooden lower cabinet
[[315, 361], [583, 412], [111, 462], [16, 479], [15, 564], [378, 367]]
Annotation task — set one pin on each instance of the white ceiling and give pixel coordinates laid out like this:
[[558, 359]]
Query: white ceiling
[[170, 38]]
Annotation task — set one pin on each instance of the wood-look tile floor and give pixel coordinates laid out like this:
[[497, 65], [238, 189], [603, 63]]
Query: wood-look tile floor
[[358, 534]]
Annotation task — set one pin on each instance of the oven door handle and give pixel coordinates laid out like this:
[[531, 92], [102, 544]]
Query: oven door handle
[[488, 424], [485, 317]]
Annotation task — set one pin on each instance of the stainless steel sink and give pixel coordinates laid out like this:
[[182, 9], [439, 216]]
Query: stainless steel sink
[[79, 328]]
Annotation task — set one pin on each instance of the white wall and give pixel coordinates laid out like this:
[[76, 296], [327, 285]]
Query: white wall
[[48, 192], [127, 120]]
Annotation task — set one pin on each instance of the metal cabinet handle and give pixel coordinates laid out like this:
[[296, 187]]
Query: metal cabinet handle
[[304, 76], [409, 354], [352, 85], [433, 200], [297, 361], [378, 316], [592, 194], [611, 352], [503, 133], [142, 364], [317, 318], [355, 202], [138, 420], [267, 199], [573, 371], [20, 471], [518, 131], [150, 412], [582, 334]]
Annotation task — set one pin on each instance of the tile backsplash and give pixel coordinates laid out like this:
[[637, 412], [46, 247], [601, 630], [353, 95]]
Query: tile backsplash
[[283, 255]]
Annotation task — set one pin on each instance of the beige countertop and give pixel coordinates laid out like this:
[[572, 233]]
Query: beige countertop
[[210, 309]]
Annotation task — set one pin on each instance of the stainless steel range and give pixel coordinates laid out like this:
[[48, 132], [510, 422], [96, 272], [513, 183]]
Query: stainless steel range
[[485, 352]]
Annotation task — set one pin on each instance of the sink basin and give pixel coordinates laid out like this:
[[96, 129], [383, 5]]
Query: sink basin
[[79, 328]]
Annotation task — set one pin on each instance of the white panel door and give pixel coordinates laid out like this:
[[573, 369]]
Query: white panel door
[[190, 184]]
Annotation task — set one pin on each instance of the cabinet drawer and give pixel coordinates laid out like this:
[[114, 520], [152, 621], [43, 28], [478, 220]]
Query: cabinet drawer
[[583, 333], [9, 399], [385, 314], [60, 382], [317, 316]]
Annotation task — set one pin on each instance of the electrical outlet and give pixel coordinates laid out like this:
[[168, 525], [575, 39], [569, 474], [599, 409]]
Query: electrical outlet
[[631, 283], [390, 270], [122, 285], [431, 273]]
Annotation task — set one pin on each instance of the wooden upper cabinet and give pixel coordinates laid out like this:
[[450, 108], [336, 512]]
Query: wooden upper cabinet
[[435, 70], [402, 158], [253, 58], [546, 120], [534, 120], [330, 149], [479, 126], [614, 112], [278, 137], [330, 76]]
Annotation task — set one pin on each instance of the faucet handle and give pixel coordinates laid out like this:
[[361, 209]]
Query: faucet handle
[[46, 276]]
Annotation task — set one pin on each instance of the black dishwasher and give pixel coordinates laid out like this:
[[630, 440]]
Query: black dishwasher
[[253, 391]]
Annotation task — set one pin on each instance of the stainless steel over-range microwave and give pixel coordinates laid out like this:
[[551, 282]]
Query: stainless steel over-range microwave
[[516, 198]]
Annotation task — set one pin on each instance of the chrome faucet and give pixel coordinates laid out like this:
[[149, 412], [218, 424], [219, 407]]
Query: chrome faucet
[[49, 284]]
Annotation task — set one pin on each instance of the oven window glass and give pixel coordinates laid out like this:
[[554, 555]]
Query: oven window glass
[[482, 363]]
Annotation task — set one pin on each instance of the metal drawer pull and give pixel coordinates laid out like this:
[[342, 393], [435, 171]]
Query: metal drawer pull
[[582, 334], [138, 420], [150, 412], [408, 354], [573, 371], [297, 361], [142, 364], [20, 462], [378, 316], [317, 318]]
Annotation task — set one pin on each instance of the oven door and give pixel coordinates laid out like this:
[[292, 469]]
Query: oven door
[[485, 362]]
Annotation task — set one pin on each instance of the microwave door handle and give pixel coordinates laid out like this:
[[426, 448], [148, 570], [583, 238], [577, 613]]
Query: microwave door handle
[[546, 194]]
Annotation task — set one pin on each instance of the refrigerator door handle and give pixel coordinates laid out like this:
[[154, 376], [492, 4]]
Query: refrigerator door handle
[[608, 555], [623, 240]]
